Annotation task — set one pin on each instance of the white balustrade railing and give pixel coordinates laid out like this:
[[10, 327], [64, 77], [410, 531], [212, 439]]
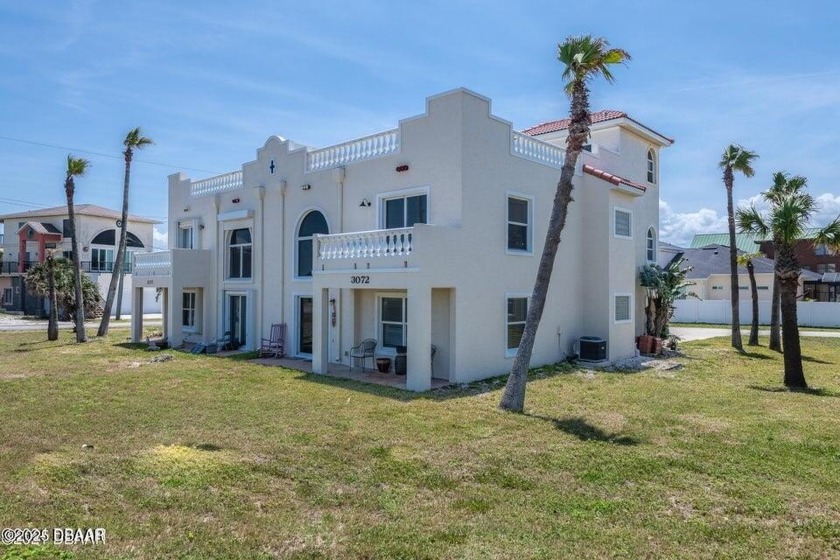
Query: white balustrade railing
[[529, 147], [365, 244], [369, 147], [157, 263], [221, 183]]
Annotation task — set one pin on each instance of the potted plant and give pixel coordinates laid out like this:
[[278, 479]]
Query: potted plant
[[663, 286], [383, 365]]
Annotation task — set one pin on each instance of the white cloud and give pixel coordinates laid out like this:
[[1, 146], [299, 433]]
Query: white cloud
[[161, 239], [679, 227]]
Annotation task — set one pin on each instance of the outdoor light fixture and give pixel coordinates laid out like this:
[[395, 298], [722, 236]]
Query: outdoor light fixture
[[235, 201], [401, 168], [365, 202], [305, 187]]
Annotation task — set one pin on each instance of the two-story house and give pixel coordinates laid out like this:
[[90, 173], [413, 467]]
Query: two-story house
[[29, 236], [425, 235]]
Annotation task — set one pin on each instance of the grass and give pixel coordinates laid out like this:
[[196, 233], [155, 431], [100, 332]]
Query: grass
[[745, 329], [206, 457]]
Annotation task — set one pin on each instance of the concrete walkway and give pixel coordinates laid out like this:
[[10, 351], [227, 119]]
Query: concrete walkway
[[701, 333]]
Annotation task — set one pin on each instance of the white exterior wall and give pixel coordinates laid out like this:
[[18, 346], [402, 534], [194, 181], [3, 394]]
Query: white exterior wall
[[459, 272]]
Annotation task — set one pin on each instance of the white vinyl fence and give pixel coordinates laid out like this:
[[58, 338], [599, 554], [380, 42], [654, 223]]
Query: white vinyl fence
[[809, 313]]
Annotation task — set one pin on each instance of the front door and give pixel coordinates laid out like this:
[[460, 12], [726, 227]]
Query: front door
[[237, 315], [305, 325]]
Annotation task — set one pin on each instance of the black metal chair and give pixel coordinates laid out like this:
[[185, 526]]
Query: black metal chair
[[362, 351], [434, 351]]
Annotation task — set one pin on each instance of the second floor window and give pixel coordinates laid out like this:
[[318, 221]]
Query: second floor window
[[101, 260], [518, 218], [651, 245], [313, 223], [651, 167], [239, 253], [185, 235], [405, 211]]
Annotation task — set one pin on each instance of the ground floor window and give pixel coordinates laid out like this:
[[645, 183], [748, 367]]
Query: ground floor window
[[517, 310], [190, 311], [7, 296], [393, 321], [623, 308]]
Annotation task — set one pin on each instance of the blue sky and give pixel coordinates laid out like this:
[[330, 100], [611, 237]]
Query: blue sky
[[211, 81]]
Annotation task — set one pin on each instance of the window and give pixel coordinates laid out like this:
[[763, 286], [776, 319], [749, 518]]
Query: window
[[405, 211], [623, 224], [393, 321], [651, 245], [517, 310], [826, 267], [185, 235], [623, 312], [763, 287], [518, 220], [65, 228], [189, 312], [67, 255], [821, 250], [101, 260], [314, 222], [239, 253], [714, 288], [7, 296], [651, 167]]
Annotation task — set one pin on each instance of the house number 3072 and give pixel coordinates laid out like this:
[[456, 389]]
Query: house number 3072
[[360, 279]]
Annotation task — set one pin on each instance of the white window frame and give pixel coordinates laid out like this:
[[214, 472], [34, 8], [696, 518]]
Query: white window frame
[[613, 222], [191, 226], [629, 308], [650, 252], [107, 249], [511, 352], [384, 197], [229, 246], [529, 235], [296, 242], [195, 328], [381, 348], [651, 167]]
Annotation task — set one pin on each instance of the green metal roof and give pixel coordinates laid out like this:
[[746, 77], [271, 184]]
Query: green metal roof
[[744, 241]]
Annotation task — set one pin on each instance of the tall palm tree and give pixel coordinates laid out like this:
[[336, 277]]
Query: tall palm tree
[[746, 260], [790, 209], [735, 158], [76, 167], [52, 326], [134, 140], [586, 58], [782, 182]]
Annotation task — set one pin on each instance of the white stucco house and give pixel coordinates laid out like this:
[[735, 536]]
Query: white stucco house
[[427, 234], [28, 237]]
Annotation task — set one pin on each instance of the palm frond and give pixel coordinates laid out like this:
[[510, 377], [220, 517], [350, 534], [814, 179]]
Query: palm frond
[[830, 235], [76, 167], [739, 159], [135, 139], [587, 57], [750, 220]]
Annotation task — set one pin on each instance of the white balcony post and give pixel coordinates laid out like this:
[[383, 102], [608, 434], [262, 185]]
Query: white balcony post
[[320, 331], [137, 315], [419, 374]]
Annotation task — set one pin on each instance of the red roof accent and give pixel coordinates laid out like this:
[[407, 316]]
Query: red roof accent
[[562, 124], [614, 179]]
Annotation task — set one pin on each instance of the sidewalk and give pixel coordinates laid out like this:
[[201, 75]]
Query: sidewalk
[[19, 323], [701, 333]]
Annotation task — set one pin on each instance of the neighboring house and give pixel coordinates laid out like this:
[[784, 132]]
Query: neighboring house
[[710, 273], [427, 234], [28, 236], [822, 286]]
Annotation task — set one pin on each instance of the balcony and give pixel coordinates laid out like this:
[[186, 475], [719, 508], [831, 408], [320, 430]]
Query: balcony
[[190, 267], [99, 267], [11, 267], [367, 250]]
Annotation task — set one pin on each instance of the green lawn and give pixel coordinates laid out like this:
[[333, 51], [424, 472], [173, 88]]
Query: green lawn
[[205, 457]]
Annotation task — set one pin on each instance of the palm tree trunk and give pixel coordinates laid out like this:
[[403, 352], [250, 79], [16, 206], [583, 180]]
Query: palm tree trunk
[[116, 276], [733, 263], [52, 328], [77, 268], [794, 375], [513, 398], [775, 315], [754, 292]]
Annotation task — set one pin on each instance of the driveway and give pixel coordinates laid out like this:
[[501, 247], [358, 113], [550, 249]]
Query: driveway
[[700, 333]]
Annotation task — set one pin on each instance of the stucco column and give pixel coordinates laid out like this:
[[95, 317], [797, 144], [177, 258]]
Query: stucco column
[[419, 375], [165, 314], [320, 330], [137, 315]]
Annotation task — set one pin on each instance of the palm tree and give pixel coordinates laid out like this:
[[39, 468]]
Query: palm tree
[[586, 57], [52, 327], [133, 140], [76, 167], [790, 209], [746, 260], [735, 158], [782, 182]]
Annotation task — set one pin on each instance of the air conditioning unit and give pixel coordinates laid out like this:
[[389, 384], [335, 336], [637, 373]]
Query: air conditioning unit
[[592, 349]]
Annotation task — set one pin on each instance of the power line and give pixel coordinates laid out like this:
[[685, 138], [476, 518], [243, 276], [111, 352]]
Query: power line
[[112, 156], [16, 202]]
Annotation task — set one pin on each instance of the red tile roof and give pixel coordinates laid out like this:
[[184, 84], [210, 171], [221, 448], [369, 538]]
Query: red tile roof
[[614, 179], [562, 124]]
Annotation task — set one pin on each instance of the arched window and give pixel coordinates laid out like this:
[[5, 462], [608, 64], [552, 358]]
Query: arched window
[[312, 223], [651, 167], [651, 245], [239, 253]]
